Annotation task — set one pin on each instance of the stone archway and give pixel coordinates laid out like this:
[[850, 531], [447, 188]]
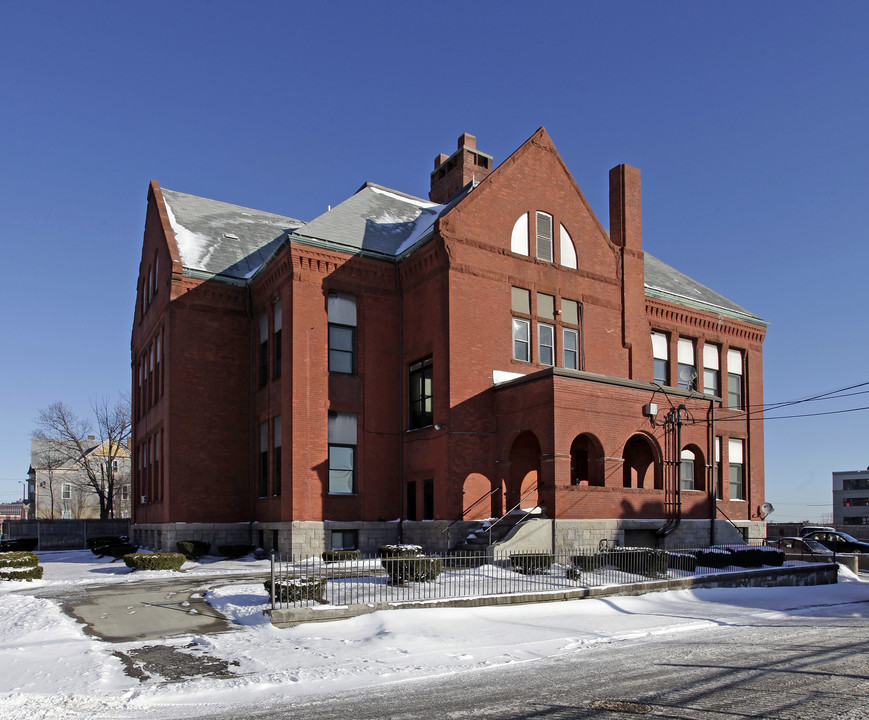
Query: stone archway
[[477, 498], [642, 467], [586, 461], [522, 488]]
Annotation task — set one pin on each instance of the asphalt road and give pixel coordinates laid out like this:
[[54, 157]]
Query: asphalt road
[[812, 665]]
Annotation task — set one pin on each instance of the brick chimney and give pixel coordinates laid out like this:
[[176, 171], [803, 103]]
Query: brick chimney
[[452, 173]]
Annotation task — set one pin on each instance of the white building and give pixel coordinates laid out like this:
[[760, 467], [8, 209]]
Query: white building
[[851, 497]]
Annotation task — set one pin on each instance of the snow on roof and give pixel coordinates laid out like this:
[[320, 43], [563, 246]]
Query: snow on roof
[[222, 239]]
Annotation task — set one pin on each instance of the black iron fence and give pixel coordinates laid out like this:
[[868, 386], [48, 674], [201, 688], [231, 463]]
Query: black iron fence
[[349, 578]]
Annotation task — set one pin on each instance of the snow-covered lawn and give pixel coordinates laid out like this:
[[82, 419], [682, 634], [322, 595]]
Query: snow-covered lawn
[[52, 669]]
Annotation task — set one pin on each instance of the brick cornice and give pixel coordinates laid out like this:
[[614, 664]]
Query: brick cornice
[[669, 315]]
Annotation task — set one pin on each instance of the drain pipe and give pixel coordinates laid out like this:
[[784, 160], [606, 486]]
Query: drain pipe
[[713, 480]]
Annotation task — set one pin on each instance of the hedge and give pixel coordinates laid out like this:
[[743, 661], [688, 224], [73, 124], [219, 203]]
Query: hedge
[[20, 565], [193, 549], [234, 551], [102, 544], [154, 561], [297, 589], [641, 561], [532, 563], [406, 563], [682, 561], [332, 556], [19, 545]]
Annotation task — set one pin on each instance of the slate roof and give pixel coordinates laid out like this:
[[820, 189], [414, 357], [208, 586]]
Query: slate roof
[[233, 242], [667, 283], [377, 220], [218, 238]]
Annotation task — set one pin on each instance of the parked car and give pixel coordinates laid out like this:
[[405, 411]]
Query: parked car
[[809, 529], [839, 542], [800, 548]]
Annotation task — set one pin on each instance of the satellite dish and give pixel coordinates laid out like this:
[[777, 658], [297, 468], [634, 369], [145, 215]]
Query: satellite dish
[[765, 510], [687, 376]]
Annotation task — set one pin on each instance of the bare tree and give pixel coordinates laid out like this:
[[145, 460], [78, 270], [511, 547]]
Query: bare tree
[[94, 444], [47, 458]]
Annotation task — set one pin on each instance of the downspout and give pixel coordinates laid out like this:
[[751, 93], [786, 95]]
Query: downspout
[[712, 484], [251, 424], [402, 489]]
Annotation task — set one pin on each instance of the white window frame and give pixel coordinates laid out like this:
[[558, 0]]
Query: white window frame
[[545, 350], [520, 342], [735, 377], [660, 354], [544, 247], [686, 364], [711, 369], [736, 462], [570, 355]]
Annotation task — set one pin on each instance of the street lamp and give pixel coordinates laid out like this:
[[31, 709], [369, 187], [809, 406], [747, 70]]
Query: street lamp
[[24, 498]]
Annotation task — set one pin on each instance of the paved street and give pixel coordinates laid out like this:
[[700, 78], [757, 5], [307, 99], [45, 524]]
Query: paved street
[[811, 665]]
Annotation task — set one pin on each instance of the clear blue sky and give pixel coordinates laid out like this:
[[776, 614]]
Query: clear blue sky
[[748, 121]]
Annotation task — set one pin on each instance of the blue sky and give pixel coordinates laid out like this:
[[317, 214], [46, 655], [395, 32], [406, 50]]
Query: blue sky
[[748, 121]]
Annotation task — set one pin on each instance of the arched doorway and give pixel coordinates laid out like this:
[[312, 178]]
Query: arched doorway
[[640, 468], [524, 472], [477, 497], [586, 461], [692, 470]]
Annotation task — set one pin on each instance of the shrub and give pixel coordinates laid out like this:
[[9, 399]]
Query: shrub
[[752, 557], [297, 589], [331, 556], [193, 549], [531, 563], [20, 565], [716, 558], [101, 544], [642, 561], [682, 561], [19, 545], [399, 551], [154, 561], [234, 551], [416, 568], [119, 551], [587, 563]]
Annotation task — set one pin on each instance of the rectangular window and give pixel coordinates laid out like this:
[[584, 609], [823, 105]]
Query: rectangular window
[[428, 500], [342, 453], [570, 340], [734, 380], [686, 470], [276, 457], [735, 456], [263, 350], [410, 501], [716, 473], [546, 344], [570, 312], [711, 367], [345, 539], [125, 492], [521, 340], [545, 306], [544, 237], [66, 491], [661, 357], [855, 484], [420, 393], [685, 360], [263, 459], [342, 333], [158, 375], [520, 299], [276, 368]]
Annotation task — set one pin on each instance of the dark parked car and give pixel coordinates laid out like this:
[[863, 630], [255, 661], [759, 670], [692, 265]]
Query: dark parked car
[[809, 529], [800, 548], [839, 542]]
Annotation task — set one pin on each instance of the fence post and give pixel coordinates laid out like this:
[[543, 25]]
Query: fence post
[[272, 584]]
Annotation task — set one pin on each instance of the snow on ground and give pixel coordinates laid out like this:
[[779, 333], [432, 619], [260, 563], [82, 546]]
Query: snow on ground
[[52, 669]]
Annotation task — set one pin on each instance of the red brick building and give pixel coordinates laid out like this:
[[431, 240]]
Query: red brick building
[[397, 364]]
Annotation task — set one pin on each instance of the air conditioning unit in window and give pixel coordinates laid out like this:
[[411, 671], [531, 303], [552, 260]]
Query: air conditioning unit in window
[[143, 500]]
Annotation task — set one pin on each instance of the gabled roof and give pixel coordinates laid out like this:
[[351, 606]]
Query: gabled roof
[[218, 238], [667, 283], [378, 220]]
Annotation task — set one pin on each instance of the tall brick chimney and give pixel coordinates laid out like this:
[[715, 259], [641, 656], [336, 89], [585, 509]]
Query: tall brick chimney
[[452, 173]]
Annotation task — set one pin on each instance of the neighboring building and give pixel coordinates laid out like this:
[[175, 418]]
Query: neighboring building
[[851, 497], [13, 511], [59, 487], [397, 368]]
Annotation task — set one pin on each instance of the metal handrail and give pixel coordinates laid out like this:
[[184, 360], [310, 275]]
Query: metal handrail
[[525, 497], [467, 510]]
